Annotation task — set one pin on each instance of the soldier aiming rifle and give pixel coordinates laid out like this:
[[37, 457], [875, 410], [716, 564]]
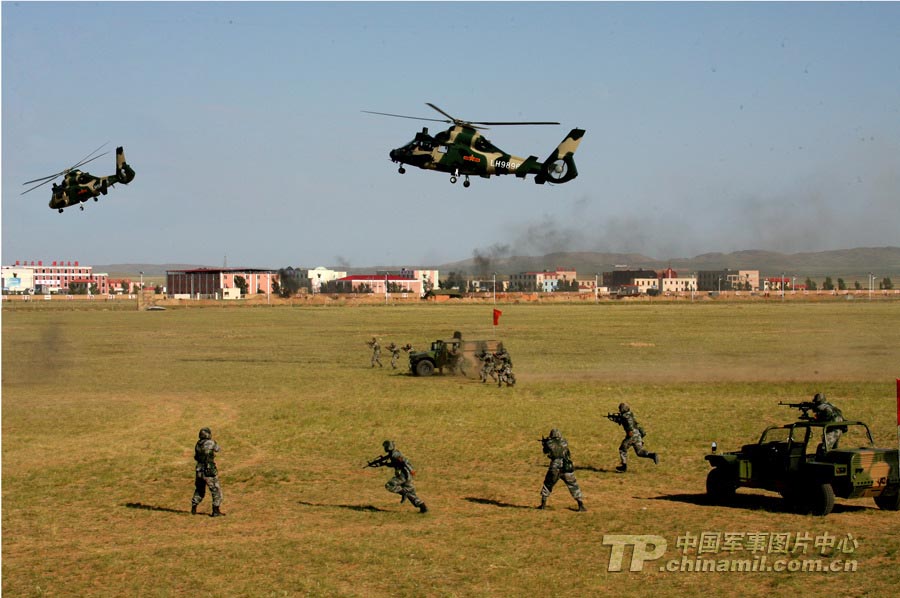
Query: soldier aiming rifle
[[395, 354], [557, 450], [825, 412], [805, 407], [402, 482], [376, 351]]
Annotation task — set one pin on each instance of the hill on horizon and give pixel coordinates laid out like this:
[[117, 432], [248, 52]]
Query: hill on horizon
[[846, 263]]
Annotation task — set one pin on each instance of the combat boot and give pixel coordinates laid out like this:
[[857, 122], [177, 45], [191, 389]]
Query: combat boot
[[402, 497], [193, 509], [581, 506], [655, 458], [622, 468], [216, 512], [423, 508], [543, 502]]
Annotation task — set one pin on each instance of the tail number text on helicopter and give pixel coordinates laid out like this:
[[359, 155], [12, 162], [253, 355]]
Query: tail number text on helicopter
[[505, 164]]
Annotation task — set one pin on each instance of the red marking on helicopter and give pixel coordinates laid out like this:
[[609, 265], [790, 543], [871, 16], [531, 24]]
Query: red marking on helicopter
[[471, 158]]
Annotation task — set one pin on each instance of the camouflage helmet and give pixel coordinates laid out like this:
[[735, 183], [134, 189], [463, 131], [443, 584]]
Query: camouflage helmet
[[624, 408], [819, 398], [555, 433], [388, 446], [205, 433]]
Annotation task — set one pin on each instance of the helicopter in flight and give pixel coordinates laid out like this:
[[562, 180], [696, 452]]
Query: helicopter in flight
[[77, 186], [463, 151]]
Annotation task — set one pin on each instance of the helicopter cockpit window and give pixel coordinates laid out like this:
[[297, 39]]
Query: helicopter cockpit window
[[443, 149], [483, 145]]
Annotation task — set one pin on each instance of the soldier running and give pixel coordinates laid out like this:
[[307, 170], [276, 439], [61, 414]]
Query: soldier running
[[557, 450], [402, 482], [206, 474], [634, 434]]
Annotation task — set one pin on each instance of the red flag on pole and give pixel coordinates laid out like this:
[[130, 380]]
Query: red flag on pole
[[498, 313]]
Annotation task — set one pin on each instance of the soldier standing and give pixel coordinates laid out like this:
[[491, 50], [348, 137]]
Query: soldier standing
[[826, 412], [206, 473], [395, 354], [634, 434], [557, 450], [402, 482], [376, 352]]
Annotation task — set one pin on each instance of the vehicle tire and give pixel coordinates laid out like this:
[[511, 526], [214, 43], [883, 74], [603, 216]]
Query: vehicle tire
[[820, 499], [720, 486], [888, 503], [424, 368]]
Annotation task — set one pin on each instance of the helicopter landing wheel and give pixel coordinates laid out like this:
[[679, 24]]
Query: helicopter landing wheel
[[60, 210], [466, 182], [96, 199], [81, 208], [402, 170], [453, 180]]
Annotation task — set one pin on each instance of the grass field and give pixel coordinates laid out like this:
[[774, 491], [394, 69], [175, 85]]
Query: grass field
[[101, 411]]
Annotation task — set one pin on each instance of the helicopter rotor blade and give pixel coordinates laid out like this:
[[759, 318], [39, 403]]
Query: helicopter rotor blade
[[78, 164], [453, 119], [440, 120], [85, 160], [477, 122], [41, 185]]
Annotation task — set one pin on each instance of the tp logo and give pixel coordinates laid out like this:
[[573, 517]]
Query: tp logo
[[640, 552]]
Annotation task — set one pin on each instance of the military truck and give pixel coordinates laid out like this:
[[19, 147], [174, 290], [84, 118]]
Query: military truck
[[457, 355], [794, 461]]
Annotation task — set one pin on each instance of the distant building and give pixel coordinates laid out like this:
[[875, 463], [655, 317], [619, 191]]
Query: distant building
[[314, 278], [429, 278], [57, 277], [378, 284], [212, 283], [541, 282], [728, 280], [626, 277]]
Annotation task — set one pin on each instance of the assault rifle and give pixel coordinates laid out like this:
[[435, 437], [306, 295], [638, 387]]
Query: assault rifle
[[616, 418], [805, 407], [379, 462]]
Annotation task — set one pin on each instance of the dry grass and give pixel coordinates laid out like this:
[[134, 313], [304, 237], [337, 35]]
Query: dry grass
[[101, 410]]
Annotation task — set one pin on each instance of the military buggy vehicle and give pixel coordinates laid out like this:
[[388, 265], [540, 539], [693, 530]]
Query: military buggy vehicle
[[793, 460], [457, 355]]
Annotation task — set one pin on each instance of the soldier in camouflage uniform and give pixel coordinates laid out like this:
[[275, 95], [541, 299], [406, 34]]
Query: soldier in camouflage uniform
[[395, 354], [826, 412], [634, 434], [487, 366], [376, 352], [206, 473], [402, 482], [557, 450]]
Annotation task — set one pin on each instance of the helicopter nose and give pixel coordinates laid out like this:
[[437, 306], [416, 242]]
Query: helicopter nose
[[394, 155]]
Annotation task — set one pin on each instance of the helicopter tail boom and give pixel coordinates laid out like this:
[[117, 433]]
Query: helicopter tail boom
[[560, 166]]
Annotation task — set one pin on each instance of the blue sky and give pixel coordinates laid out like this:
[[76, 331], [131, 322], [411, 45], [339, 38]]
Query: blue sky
[[710, 127]]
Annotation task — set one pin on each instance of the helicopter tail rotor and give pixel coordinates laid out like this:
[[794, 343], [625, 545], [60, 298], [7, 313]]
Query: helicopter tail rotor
[[124, 172], [560, 167]]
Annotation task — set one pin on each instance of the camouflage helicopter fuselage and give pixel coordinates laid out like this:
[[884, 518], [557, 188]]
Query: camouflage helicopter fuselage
[[463, 151], [78, 187]]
